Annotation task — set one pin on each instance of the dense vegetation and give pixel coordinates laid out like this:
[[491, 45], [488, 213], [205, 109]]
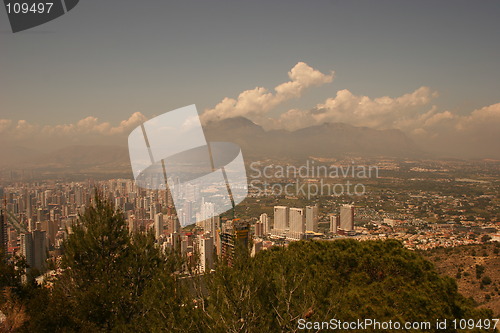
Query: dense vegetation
[[113, 281], [476, 268]]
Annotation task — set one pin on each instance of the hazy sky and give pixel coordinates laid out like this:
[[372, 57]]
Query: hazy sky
[[437, 61]]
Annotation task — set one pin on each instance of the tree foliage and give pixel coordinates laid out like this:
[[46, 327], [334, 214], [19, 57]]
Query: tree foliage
[[111, 280], [320, 280]]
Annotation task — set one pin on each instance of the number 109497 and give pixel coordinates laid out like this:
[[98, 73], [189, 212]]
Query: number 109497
[[25, 8]]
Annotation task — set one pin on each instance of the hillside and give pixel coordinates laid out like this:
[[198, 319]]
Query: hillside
[[476, 269]]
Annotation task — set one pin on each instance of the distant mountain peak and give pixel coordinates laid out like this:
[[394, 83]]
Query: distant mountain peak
[[324, 140], [235, 121], [329, 140]]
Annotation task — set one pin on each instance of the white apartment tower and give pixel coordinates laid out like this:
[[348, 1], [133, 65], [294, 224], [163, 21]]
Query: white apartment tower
[[347, 217], [206, 249], [281, 214], [297, 220], [334, 223], [312, 213], [264, 219]]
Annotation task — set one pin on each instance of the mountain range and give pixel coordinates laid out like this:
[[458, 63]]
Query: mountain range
[[327, 140], [330, 140]]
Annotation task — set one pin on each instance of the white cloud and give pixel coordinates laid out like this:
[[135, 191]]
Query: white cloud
[[382, 112], [474, 135], [442, 131], [480, 119], [5, 124], [255, 103], [89, 128]]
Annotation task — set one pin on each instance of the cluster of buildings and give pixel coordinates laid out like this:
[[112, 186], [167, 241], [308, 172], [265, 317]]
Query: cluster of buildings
[[292, 223], [201, 245], [33, 244], [297, 223], [36, 218]]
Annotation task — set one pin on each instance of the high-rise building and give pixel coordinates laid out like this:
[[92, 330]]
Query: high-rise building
[[312, 213], [259, 229], [206, 250], [176, 225], [211, 224], [281, 215], [152, 211], [347, 217], [234, 234], [215, 224], [34, 248], [218, 243], [188, 213], [264, 219], [50, 227], [207, 210], [297, 220], [334, 223], [3, 234], [29, 206], [26, 248], [39, 249], [158, 226], [184, 244], [175, 240]]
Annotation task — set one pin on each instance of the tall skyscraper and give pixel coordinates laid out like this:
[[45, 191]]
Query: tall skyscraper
[[264, 219], [188, 213], [171, 224], [51, 228], [347, 217], [211, 224], [39, 249], [259, 229], [215, 224], [26, 248], [207, 210], [281, 214], [297, 220], [152, 211], [29, 206], [34, 248], [158, 225], [334, 223], [206, 250], [3, 234], [176, 225], [234, 234], [312, 213]]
